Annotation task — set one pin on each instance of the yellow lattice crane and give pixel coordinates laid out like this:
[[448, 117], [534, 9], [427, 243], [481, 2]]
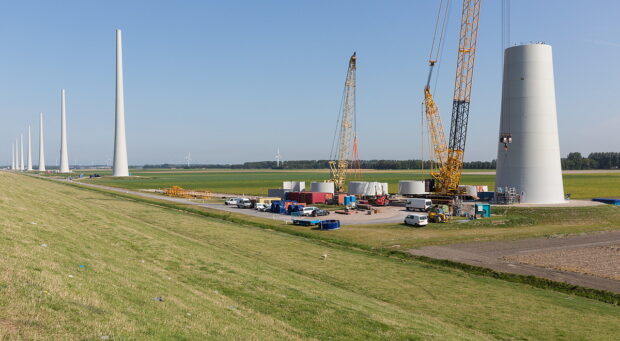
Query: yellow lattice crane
[[346, 147], [447, 156]]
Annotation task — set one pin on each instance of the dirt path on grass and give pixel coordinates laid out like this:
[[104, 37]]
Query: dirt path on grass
[[590, 260]]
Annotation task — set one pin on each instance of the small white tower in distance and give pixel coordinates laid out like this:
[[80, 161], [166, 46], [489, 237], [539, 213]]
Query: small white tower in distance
[[16, 154], [120, 143], [64, 155], [21, 153], [41, 145], [528, 154], [29, 150], [12, 157], [278, 158]]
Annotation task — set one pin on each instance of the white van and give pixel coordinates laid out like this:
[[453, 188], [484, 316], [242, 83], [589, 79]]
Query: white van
[[419, 204], [416, 220], [244, 203]]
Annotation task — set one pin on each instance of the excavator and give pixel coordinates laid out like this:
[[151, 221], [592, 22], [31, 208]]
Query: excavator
[[447, 155]]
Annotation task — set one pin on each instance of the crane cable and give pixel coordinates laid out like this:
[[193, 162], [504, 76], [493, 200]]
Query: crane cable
[[435, 53], [506, 131]]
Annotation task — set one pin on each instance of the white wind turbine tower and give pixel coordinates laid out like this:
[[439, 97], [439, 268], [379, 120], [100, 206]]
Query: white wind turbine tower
[[41, 145], [16, 154], [64, 154], [121, 166], [13, 157], [21, 153], [278, 158], [29, 150], [188, 159]]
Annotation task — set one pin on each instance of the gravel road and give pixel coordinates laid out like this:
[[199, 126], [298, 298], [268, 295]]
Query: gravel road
[[539, 257]]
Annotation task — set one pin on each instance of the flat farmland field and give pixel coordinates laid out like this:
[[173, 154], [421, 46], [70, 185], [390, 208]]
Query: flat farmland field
[[256, 182]]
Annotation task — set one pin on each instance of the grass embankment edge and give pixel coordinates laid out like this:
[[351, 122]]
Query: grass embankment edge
[[543, 283]]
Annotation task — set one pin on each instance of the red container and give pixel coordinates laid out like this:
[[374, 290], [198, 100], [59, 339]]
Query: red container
[[341, 199], [295, 196], [318, 197]]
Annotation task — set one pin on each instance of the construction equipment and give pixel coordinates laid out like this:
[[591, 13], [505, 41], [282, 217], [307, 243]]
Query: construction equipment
[[447, 156], [178, 192], [437, 214], [346, 149], [380, 200]]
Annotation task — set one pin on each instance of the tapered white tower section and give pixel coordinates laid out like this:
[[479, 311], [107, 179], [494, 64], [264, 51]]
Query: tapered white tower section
[[41, 145], [64, 155], [531, 161], [17, 154], [12, 157], [29, 150], [21, 152], [120, 143]]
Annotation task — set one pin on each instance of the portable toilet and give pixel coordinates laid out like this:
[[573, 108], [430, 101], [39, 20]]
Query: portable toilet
[[484, 210]]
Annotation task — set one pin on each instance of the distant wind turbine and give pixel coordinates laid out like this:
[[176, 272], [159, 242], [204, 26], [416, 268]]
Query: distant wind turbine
[[278, 158]]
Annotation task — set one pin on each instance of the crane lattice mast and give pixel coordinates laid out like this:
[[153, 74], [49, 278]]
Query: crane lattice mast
[[449, 155], [340, 163]]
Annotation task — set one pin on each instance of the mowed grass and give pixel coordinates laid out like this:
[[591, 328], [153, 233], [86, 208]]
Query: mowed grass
[[580, 186], [225, 281]]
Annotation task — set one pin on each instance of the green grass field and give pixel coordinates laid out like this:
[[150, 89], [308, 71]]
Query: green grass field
[[221, 280], [581, 186]]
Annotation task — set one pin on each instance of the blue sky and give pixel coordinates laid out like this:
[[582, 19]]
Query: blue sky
[[230, 81]]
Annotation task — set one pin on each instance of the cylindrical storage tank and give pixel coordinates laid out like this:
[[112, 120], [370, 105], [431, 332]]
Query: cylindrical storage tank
[[411, 187], [357, 187], [323, 187], [530, 162], [294, 186]]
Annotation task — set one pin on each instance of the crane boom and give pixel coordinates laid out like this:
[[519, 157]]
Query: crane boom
[[340, 165], [448, 156], [466, 57]]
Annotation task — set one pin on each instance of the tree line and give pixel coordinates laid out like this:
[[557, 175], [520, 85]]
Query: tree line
[[599, 160], [574, 161]]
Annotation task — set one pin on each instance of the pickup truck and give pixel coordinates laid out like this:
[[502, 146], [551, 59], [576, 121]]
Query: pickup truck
[[231, 201]]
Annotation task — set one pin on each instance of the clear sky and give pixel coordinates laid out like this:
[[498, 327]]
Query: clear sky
[[230, 81]]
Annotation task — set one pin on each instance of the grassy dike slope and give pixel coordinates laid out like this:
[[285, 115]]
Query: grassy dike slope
[[220, 280]]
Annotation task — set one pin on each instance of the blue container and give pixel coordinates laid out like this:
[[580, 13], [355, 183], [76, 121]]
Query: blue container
[[329, 224], [484, 210], [295, 208], [486, 196]]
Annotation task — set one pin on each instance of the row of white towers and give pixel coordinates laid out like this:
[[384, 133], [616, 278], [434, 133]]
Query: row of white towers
[[120, 167], [17, 162]]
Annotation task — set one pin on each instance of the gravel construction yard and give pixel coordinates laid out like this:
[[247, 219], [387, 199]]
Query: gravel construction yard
[[386, 215], [589, 260]]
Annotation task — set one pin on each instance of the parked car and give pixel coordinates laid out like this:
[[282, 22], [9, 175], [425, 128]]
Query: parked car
[[244, 203], [260, 206], [419, 204], [416, 220], [307, 211], [231, 201], [319, 212]]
